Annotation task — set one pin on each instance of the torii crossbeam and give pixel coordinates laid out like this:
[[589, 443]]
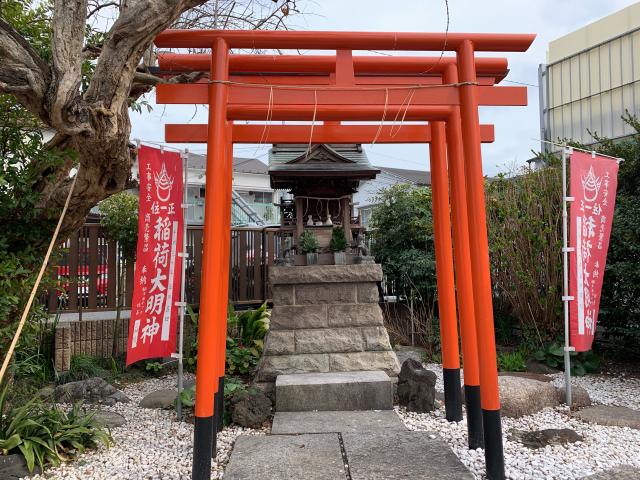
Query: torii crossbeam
[[443, 91]]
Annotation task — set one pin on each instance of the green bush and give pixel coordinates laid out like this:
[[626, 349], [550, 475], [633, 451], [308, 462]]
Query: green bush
[[402, 241], [515, 361], [308, 242], [524, 219], [581, 363], [47, 435], [338, 242], [245, 339]]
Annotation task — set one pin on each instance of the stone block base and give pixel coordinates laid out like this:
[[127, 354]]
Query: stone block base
[[326, 318]]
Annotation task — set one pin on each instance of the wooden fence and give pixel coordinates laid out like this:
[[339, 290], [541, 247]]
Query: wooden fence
[[85, 270]]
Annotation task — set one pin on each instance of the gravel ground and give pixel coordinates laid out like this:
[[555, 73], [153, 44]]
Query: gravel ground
[[602, 448], [151, 445]]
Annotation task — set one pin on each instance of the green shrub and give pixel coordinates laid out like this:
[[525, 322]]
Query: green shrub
[[338, 242], [581, 363], [402, 241], [47, 435], [515, 361], [308, 242], [241, 360]]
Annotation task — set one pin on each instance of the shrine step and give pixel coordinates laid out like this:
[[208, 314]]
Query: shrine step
[[362, 390]]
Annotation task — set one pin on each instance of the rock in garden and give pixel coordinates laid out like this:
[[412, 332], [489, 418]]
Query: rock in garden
[[610, 415], [541, 377], [416, 387], [250, 408], [534, 366], [579, 396], [542, 438], [14, 467], [522, 396], [621, 472], [109, 419], [164, 398], [91, 390]]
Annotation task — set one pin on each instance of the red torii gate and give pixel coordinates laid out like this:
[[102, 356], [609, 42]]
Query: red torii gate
[[444, 91]]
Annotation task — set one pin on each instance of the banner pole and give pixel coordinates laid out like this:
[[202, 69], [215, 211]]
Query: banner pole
[[565, 280], [183, 300]]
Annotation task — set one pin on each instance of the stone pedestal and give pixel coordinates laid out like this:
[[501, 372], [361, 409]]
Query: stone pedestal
[[325, 318]]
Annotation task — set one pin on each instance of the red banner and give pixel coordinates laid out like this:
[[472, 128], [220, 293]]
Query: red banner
[[152, 328], [593, 185]]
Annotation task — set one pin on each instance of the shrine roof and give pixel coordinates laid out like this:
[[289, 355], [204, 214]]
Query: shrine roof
[[295, 159]]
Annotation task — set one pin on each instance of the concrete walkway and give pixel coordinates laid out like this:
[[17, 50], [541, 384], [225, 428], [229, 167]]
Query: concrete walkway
[[358, 445]]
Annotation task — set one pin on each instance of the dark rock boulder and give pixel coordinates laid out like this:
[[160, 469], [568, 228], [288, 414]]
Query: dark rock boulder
[[164, 398], [91, 390], [542, 438], [416, 387], [14, 466], [250, 408]]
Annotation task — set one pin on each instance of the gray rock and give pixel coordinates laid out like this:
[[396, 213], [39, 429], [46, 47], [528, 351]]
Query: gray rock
[[46, 392], [14, 467], [534, 366], [109, 419], [91, 390], [542, 438], [164, 398], [286, 457], [522, 396], [402, 455], [541, 377], [579, 396], [416, 387], [250, 408], [621, 472], [610, 415]]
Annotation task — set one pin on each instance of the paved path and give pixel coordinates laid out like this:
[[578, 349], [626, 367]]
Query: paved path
[[371, 445]]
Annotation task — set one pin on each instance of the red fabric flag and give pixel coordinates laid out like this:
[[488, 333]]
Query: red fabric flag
[[593, 185], [152, 327]]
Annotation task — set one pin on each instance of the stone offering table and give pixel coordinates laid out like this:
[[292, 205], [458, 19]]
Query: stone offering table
[[325, 318]]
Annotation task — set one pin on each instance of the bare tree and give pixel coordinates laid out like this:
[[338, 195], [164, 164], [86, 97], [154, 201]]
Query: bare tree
[[95, 74]]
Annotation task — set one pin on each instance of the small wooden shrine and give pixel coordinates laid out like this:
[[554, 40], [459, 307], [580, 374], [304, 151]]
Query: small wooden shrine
[[319, 182]]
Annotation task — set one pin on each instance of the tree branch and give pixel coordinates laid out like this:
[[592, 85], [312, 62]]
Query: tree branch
[[68, 24], [22, 72]]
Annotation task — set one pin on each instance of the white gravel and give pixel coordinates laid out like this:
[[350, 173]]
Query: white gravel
[[603, 447], [620, 390], [151, 445]]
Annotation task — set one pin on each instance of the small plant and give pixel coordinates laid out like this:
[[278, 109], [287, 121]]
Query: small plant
[[48, 435], [240, 359], [338, 242], [581, 363], [250, 326], [154, 367], [515, 361], [309, 242]]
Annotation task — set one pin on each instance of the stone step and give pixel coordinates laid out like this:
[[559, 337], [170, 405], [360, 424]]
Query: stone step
[[360, 390], [353, 421], [372, 455]]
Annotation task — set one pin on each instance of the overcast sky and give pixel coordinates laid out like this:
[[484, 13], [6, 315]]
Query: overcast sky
[[516, 128]]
